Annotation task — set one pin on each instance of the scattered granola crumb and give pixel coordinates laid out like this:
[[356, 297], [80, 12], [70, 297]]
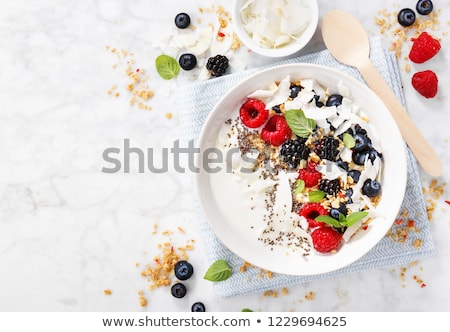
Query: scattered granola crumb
[[169, 115], [107, 292], [138, 86], [433, 193], [271, 293], [284, 291], [310, 296], [142, 300]]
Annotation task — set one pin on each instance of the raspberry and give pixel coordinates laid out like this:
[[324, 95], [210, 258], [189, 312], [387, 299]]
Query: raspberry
[[311, 211], [310, 175], [326, 239], [426, 83], [276, 131], [253, 113], [424, 48]]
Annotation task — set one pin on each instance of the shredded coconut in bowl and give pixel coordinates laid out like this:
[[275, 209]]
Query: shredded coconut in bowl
[[275, 23]]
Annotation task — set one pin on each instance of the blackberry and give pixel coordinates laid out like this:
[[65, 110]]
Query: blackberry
[[327, 148], [330, 186], [217, 65], [293, 151]]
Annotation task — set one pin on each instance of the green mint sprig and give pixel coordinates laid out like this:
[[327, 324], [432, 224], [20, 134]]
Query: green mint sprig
[[299, 123], [343, 221], [167, 67], [218, 271]]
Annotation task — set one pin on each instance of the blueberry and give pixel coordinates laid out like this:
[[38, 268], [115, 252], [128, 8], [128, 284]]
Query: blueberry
[[360, 130], [198, 307], [277, 109], [354, 174], [182, 20], [342, 164], [334, 100], [359, 157], [336, 212], [361, 143], [406, 17], [187, 61], [183, 270], [319, 104], [373, 154], [178, 290], [295, 89], [424, 7], [371, 188], [349, 194]]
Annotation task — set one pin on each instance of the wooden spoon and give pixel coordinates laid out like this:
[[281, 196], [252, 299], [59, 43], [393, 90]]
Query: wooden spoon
[[347, 41]]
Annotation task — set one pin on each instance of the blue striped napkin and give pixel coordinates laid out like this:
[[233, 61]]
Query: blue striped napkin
[[198, 99]]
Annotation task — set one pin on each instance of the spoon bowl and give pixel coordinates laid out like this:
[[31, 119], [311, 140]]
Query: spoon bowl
[[347, 41]]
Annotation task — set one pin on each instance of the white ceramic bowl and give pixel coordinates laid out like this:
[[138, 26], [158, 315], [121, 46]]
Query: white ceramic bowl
[[283, 51], [216, 203]]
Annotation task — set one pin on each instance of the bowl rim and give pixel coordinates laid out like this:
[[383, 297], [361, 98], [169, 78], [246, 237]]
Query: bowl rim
[[400, 163], [283, 51]]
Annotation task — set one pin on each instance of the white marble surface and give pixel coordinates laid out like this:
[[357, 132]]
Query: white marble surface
[[68, 231]]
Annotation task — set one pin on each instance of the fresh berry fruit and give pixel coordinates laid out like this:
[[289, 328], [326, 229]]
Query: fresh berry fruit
[[253, 113], [198, 307], [178, 290], [342, 164], [327, 148], [276, 109], [187, 61], [406, 17], [426, 83], [182, 20], [310, 175], [360, 130], [424, 7], [295, 89], [349, 194], [373, 154], [361, 143], [330, 186], [354, 174], [424, 48], [217, 65], [276, 131], [311, 211], [336, 212], [334, 100], [371, 188], [326, 239], [319, 104], [359, 158], [183, 270], [293, 151]]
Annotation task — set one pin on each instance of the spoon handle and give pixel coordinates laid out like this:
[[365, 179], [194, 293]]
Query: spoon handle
[[422, 150]]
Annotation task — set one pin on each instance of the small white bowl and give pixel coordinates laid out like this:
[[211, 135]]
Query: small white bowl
[[282, 51]]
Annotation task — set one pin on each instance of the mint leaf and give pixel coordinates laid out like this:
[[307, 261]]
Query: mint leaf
[[167, 67], [299, 123], [328, 220], [354, 217], [316, 196], [218, 271], [247, 310], [299, 186], [349, 141]]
